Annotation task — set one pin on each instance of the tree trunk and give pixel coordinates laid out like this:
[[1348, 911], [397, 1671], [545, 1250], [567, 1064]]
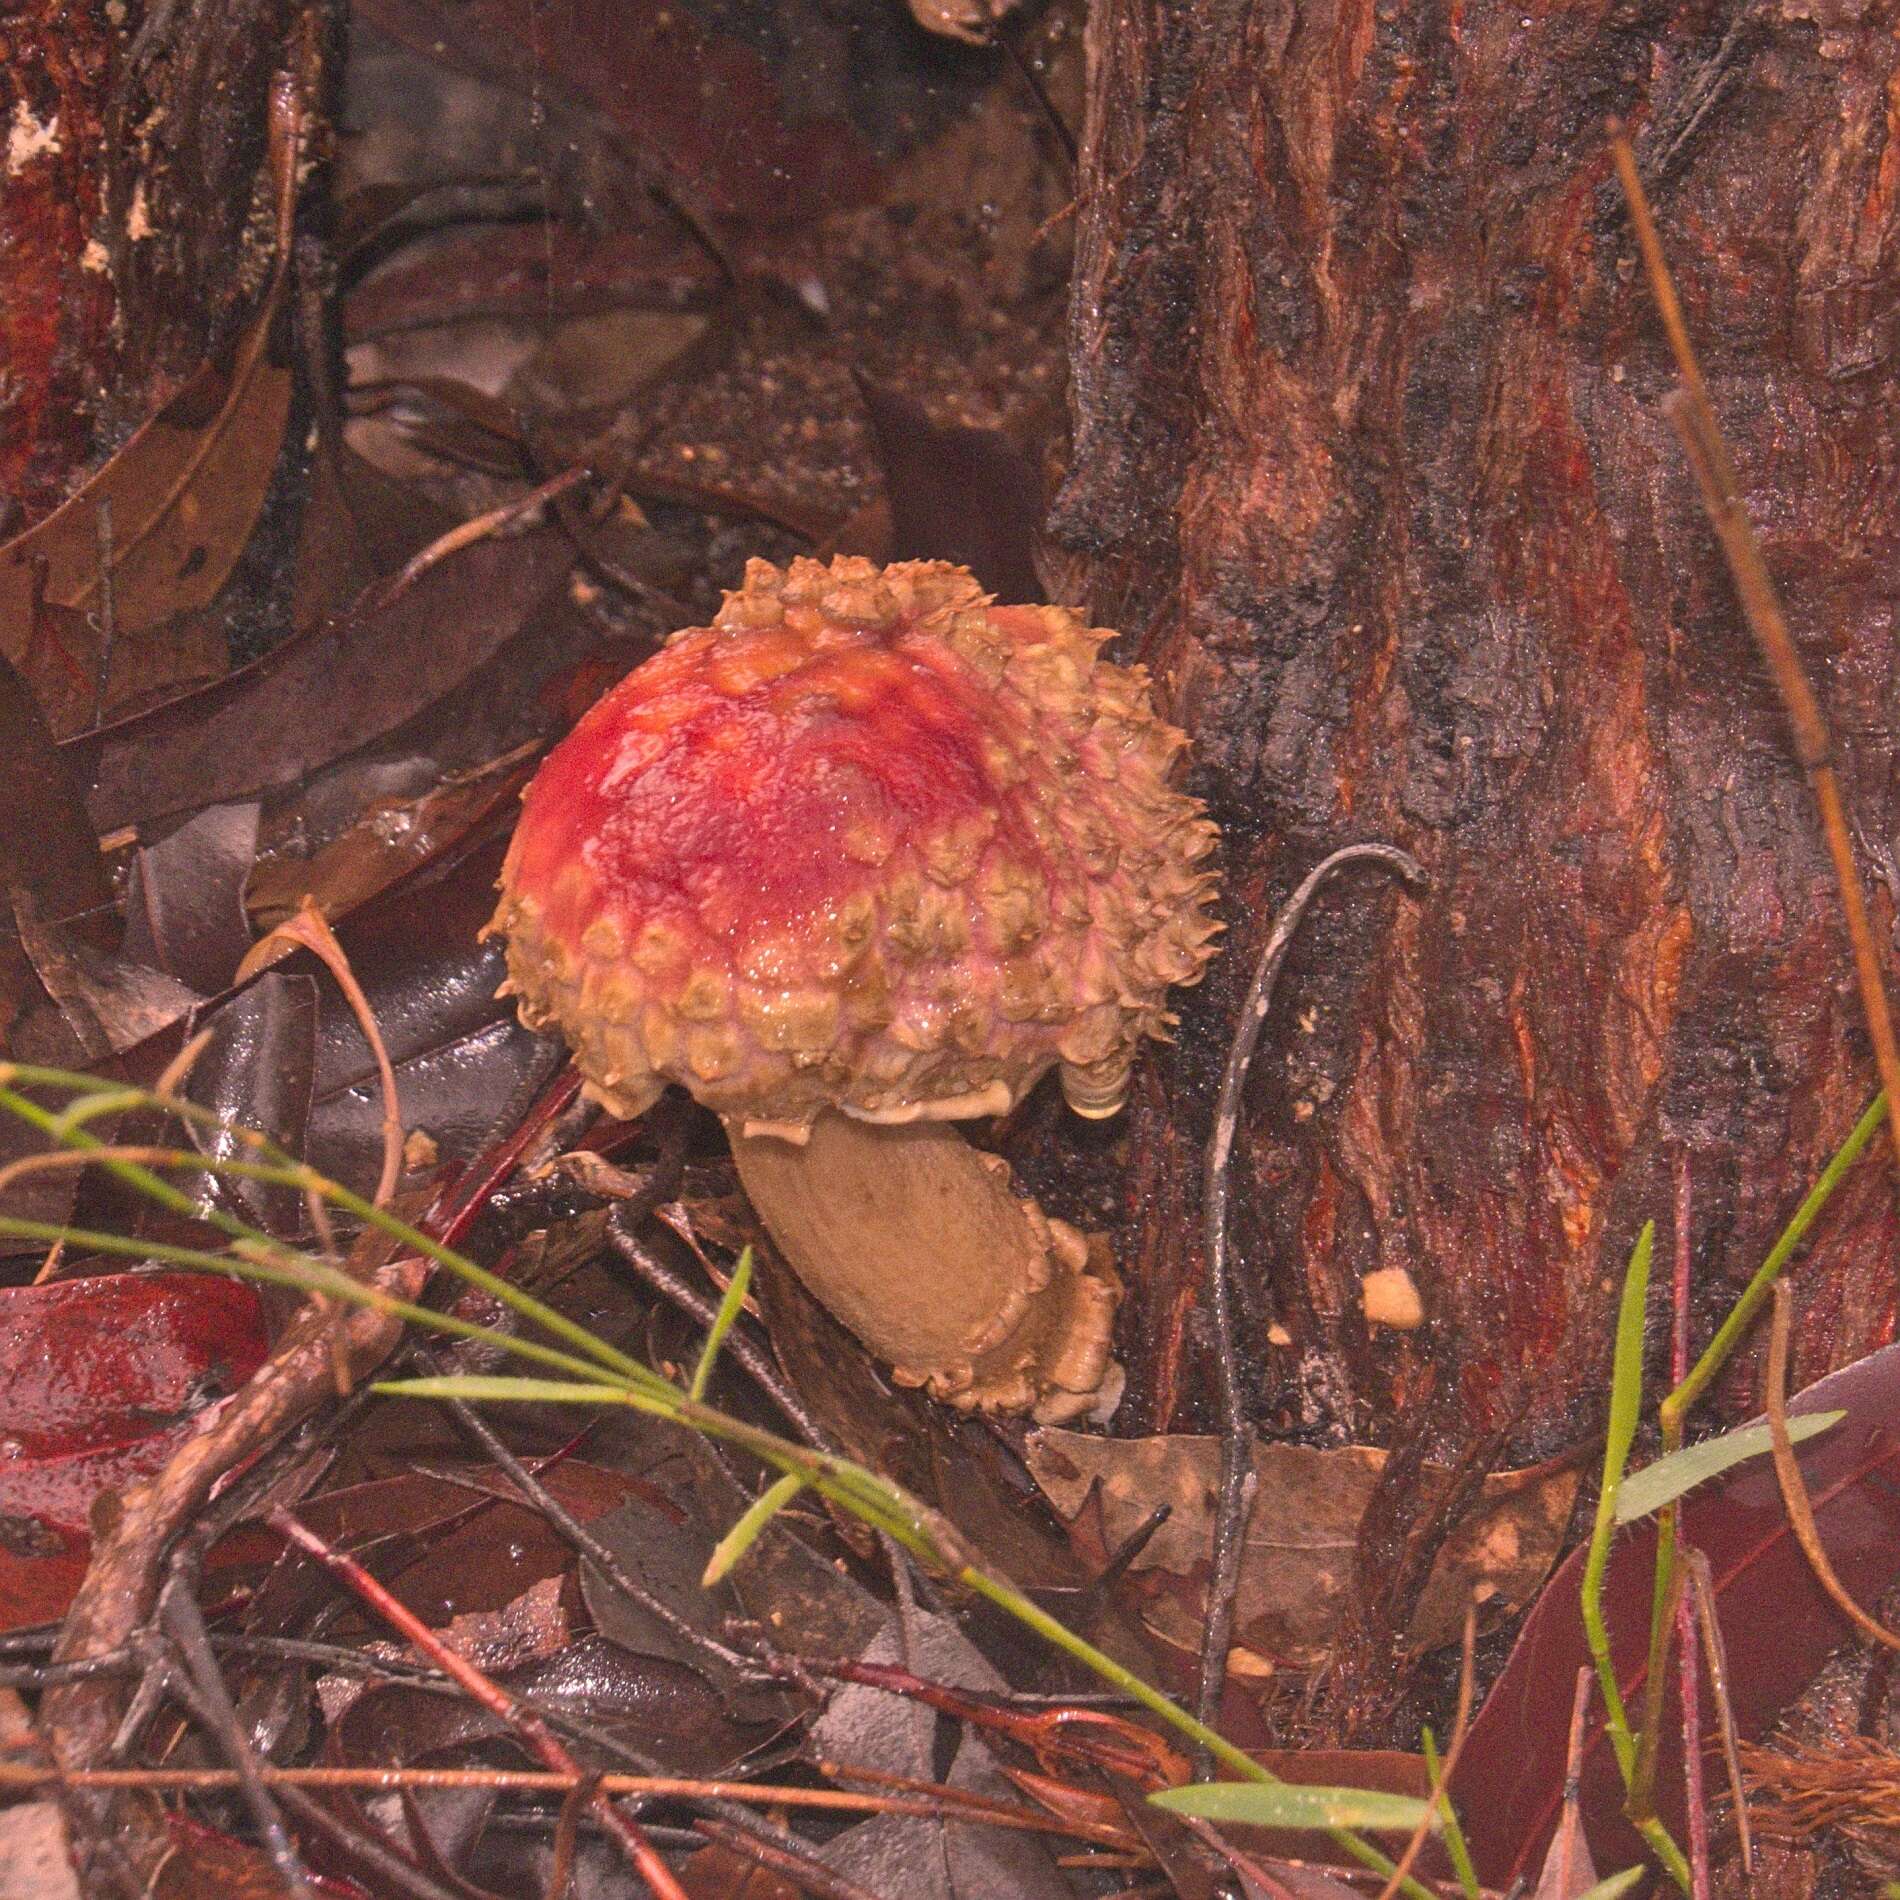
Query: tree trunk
[[135, 201], [1369, 466]]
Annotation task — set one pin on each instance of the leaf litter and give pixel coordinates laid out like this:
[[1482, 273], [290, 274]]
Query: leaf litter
[[827, 312]]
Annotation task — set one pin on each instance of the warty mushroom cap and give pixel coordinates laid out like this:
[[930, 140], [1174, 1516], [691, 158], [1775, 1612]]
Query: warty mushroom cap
[[867, 842], [866, 855]]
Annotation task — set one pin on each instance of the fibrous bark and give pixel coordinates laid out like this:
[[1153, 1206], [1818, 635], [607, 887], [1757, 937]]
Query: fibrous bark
[[1369, 465], [135, 202]]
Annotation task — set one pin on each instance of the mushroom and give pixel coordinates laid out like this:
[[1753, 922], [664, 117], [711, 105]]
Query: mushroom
[[866, 856]]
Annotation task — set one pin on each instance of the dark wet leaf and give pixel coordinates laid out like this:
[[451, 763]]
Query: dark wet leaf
[[661, 1708], [703, 109], [501, 271], [180, 500], [446, 1548], [206, 1865], [1779, 1626], [718, 1873], [392, 838], [109, 1004], [100, 1380], [445, 421], [358, 526], [664, 1551], [956, 494], [326, 692], [184, 903], [48, 846], [904, 1856], [465, 1068], [258, 1072]]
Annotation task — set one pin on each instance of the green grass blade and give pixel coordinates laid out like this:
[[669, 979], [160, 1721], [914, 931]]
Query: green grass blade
[[1626, 1403], [489, 1388], [746, 1532], [1668, 1478], [1449, 1829], [729, 1310], [1289, 1804], [1613, 1884], [1715, 1354]]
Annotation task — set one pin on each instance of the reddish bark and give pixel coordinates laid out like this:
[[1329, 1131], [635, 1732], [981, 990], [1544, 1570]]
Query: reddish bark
[[55, 298], [134, 201], [1369, 464]]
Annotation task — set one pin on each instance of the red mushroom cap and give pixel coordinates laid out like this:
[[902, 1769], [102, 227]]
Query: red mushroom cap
[[868, 842]]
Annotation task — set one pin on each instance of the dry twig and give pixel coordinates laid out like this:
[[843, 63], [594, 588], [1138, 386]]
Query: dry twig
[[1693, 417], [1236, 1462], [507, 1708], [1794, 1490]]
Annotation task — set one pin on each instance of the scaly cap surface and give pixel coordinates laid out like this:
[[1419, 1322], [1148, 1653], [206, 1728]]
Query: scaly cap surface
[[867, 841]]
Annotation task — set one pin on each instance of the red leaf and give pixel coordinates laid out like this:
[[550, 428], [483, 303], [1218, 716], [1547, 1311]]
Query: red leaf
[[100, 1379], [1778, 1625]]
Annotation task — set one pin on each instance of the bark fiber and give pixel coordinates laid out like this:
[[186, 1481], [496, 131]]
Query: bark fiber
[[1369, 465], [135, 208]]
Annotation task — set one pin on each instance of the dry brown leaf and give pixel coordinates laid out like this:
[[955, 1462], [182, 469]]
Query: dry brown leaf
[[183, 494], [168, 516], [1302, 1533], [388, 841]]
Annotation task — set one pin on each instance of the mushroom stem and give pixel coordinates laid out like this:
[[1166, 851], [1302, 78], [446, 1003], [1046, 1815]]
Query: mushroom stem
[[915, 1241]]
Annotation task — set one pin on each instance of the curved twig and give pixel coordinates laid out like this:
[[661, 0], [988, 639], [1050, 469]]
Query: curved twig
[[1236, 1460]]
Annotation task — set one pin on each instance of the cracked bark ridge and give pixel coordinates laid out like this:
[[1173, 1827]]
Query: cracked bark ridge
[[55, 304], [135, 198], [1368, 456]]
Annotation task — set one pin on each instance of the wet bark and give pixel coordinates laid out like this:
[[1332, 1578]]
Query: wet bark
[[1369, 466], [135, 200]]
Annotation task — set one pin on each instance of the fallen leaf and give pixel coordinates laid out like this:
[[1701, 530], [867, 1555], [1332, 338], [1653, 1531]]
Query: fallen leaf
[[171, 512], [184, 901], [357, 526], [476, 270], [393, 837], [48, 846], [717, 1873], [664, 1709], [325, 692], [206, 1865], [530, 1629], [972, 21], [34, 1863], [907, 1857], [109, 1003], [465, 1067], [1779, 1625], [701, 107], [100, 1380], [1302, 1534], [957, 494], [258, 1072]]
